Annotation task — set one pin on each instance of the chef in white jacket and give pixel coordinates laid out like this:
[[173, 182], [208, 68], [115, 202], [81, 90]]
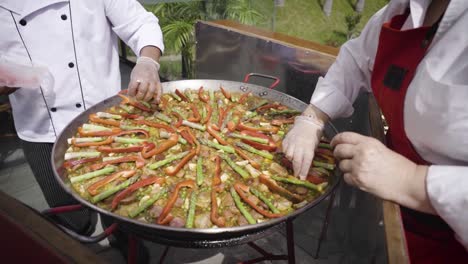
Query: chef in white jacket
[[76, 41], [413, 56]]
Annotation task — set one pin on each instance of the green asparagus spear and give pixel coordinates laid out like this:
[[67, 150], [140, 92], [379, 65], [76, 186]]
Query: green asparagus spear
[[191, 212], [241, 207], [193, 125], [211, 144], [167, 160], [255, 139], [251, 149], [82, 154], [114, 189], [324, 165], [275, 112], [296, 181], [163, 117], [147, 203], [92, 174], [264, 199], [236, 167], [325, 145]]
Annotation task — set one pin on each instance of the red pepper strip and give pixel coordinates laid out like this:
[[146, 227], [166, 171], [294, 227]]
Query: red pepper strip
[[279, 122], [137, 185], [133, 102], [73, 163], [271, 144], [171, 171], [324, 151], [241, 127], [274, 187], [134, 131], [156, 125], [170, 203], [140, 162], [202, 96], [319, 156], [120, 150], [243, 98], [172, 141], [196, 115], [214, 217], [220, 118], [181, 95], [267, 107], [215, 134], [94, 118], [208, 115], [311, 177], [114, 131], [215, 127], [246, 157], [93, 189], [186, 135], [231, 126], [226, 94], [166, 220], [240, 189], [88, 144], [217, 176], [179, 119]]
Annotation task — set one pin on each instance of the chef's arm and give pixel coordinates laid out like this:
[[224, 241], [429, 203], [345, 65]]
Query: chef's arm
[[151, 52], [350, 74], [447, 189], [137, 27], [410, 189]]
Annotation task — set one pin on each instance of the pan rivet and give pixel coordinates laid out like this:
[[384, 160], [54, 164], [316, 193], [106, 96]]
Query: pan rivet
[[263, 93]]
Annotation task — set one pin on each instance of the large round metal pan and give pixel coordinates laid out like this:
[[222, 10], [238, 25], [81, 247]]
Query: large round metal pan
[[185, 234]]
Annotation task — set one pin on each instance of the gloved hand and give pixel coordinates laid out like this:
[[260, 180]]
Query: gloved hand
[[144, 80], [14, 76], [372, 167], [300, 143]]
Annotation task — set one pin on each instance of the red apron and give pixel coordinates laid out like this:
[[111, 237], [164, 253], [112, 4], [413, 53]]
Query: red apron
[[429, 238]]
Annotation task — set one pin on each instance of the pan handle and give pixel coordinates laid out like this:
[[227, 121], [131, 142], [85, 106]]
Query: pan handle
[[83, 239], [275, 83]]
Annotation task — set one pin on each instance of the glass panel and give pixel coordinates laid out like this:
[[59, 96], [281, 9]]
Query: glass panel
[[326, 22]]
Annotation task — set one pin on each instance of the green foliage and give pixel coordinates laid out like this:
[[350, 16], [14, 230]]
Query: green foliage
[[352, 21], [243, 12]]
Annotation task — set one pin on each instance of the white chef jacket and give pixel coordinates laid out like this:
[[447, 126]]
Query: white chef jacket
[[77, 40], [436, 103]]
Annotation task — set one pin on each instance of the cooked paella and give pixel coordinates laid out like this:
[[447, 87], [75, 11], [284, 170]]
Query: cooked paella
[[199, 159]]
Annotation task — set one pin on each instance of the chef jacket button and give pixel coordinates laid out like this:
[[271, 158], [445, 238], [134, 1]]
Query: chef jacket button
[[53, 109], [63, 17], [71, 65], [78, 105], [23, 22]]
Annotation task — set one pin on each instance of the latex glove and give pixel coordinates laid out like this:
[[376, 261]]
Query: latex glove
[[300, 143], [372, 167], [144, 80], [14, 76]]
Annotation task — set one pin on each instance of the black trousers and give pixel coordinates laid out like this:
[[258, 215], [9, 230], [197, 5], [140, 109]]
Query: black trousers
[[38, 156]]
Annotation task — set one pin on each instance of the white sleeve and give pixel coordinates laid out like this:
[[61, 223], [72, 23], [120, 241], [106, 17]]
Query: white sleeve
[[447, 188], [134, 25], [351, 72]]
